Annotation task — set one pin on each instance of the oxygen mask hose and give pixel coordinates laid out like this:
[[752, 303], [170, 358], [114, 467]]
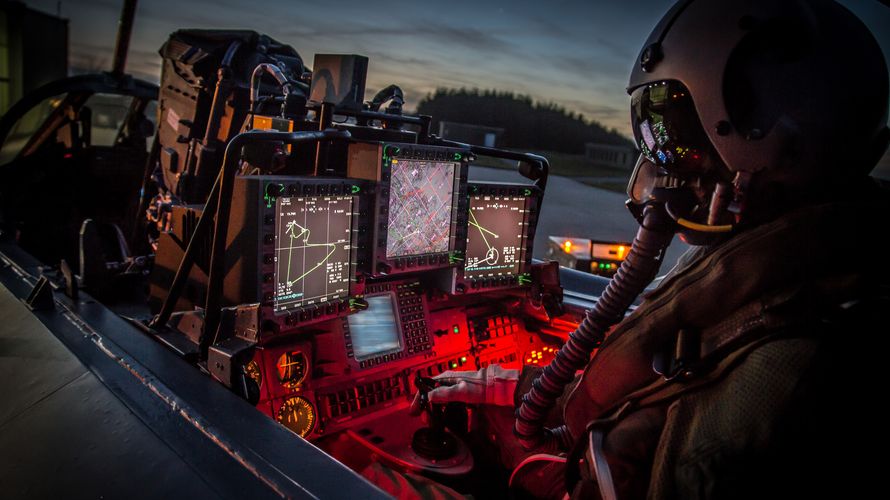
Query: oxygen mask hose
[[635, 273]]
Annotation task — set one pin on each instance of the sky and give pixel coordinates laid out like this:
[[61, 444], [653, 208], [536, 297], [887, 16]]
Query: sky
[[576, 53]]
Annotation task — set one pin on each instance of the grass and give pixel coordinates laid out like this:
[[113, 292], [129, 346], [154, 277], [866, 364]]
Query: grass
[[568, 165]]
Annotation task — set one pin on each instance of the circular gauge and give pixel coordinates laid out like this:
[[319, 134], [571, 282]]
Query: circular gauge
[[291, 368], [253, 371], [297, 415]]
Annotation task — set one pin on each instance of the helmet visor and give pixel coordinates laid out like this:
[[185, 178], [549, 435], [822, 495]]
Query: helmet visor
[[667, 129]]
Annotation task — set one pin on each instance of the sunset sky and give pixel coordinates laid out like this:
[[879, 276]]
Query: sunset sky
[[576, 53]]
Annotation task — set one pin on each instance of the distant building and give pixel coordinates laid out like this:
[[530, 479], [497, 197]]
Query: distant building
[[33, 51], [470, 134], [610, 155]]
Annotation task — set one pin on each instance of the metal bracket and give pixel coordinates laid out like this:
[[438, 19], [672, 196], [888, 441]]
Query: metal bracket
[[71, 286], [41, 296]]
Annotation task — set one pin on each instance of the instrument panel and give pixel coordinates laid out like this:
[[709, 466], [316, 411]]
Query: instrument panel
[[361, 283], [441, 269], [360, 367]]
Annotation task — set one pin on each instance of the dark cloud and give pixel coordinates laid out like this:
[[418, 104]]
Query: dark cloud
[[579, 40], [388, 59], [619, 50], [587, 68], [577, 53], [447, 36]]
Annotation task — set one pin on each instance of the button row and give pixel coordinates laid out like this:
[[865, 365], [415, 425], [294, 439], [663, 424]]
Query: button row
[[422, 260], [410, 309], [414, 322], [379, 359], [497, 191], [319, 189], [419, 348], [490, 282], [362, 396], [316, 311], [426, 154], [418, 340]]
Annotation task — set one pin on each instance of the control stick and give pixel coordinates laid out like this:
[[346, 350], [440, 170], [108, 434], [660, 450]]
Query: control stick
[[433, 442]]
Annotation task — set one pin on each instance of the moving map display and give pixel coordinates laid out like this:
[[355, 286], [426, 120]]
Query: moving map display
[[312, 250], [421, 200], [494, 236]]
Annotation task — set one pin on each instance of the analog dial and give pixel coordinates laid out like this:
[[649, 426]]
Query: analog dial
[[253, 371], [292, 368], [297, 415]]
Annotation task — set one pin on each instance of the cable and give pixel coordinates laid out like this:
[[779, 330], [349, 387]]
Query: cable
[[392, 92], [637, 270], [255, 80]]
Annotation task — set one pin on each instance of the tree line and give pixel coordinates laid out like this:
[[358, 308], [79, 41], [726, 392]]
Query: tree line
[[542, 126]]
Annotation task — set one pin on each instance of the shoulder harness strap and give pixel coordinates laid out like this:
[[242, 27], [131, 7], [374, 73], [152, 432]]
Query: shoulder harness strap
[[699, 359]]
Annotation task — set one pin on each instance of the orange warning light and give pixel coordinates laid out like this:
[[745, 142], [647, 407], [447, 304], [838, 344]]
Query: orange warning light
[[567, 246]]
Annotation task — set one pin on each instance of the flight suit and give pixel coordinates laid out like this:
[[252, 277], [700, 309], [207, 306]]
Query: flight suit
[[786, 324]]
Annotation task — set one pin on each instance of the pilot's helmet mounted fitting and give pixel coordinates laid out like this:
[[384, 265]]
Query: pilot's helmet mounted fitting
[[742, 107]]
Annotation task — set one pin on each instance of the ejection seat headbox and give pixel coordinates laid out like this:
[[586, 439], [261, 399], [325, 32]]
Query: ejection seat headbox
[[195, 64]]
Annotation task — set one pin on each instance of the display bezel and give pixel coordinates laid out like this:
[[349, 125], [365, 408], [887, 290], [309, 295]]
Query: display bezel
[[388, 265], [399, 334], [264, 192], [351, 246], [521, 227], [460, 282], [407, 164]]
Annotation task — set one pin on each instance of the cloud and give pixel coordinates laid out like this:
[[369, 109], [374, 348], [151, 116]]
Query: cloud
[[587, 68], [447, 37], [572, 53]]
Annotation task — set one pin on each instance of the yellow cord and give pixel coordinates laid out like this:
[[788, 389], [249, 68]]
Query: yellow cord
[[704, 227]]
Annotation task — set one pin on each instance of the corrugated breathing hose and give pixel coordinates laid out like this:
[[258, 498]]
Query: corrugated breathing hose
[[638, 269]]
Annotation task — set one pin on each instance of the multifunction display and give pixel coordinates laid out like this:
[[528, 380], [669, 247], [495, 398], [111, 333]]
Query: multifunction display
[[376, 330], [312, 250], [421, 201], [495, 236]]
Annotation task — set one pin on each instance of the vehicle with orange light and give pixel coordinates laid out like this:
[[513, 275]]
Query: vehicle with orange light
[[602, 258]]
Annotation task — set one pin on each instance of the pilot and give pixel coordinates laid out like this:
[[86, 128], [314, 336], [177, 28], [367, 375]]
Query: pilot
[[750, 371]]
